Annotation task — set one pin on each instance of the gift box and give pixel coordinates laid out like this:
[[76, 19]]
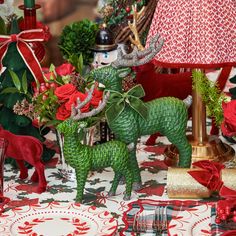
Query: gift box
[[201, 181]]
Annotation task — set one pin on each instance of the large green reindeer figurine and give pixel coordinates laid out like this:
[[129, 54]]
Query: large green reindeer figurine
[[84, 158], [129, 117]]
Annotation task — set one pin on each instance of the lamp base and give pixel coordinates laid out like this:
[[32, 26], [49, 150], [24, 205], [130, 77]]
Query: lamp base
[[213, 149]]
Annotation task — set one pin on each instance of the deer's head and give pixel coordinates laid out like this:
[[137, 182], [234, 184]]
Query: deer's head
[[111, 76], [68, 127]]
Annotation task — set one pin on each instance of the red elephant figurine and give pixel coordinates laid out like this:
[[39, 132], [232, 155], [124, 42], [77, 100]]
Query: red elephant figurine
[[26, 148]]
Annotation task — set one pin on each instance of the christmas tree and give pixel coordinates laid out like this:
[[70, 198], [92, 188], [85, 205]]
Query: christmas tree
[[13, 90]]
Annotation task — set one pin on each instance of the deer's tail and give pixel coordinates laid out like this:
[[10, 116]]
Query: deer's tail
[[188, 101]]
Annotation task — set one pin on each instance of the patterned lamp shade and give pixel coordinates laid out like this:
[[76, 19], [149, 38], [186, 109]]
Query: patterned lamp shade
[[197, 33]]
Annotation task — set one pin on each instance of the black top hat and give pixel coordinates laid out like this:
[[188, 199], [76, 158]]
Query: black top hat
[[104, 40]]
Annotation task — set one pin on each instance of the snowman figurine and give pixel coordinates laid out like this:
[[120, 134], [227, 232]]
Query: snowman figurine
[[105, 52]]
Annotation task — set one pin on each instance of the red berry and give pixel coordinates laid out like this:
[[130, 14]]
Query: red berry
[[217, 220], [47, 85], [53, 85], [223, 217], [128, 9], [222, 211], [227, 212], [234, 218], [36, 94], [44, 97], [234, 213], [42, 88]]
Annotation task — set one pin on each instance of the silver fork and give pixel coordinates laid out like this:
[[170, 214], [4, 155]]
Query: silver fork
[[139, 224], [160, 220]]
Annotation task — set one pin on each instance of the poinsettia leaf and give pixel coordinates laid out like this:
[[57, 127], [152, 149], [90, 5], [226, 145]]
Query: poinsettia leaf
[[15, 79]]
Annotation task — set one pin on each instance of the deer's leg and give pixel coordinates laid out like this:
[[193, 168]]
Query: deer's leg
[[135, 169], [35, 177], [23, 169], [115, 183], [42, 185], [81, 177], [184, 147], [128, 180]]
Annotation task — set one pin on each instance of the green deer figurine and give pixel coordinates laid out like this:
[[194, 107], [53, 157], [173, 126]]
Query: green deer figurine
[[129, 117], [84, 158]]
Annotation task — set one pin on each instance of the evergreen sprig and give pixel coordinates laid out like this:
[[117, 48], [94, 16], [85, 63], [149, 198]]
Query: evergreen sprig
[[211, 95]]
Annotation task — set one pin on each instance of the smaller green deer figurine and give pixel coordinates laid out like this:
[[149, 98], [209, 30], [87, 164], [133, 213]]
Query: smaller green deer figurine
[[84, 158]]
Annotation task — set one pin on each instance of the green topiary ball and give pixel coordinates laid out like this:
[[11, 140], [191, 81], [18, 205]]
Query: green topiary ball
[[78, 38]]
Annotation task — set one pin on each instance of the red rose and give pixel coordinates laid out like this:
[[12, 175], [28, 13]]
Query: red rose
[[65, 69], [228, 126], [62, 113], [73, 100], [97, 97], [65, 91]]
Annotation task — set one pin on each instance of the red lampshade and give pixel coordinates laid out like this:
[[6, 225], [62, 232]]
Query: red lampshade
[[197, 33]]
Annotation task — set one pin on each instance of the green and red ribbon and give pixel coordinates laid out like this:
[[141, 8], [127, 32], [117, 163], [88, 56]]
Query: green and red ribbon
[[23, 40]]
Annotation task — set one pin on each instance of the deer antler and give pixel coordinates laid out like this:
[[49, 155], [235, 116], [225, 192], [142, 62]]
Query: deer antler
[[76, 114], [133, 27], [137, 58], [80, 104]]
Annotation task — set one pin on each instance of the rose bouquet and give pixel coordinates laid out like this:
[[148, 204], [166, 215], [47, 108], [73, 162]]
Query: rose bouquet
[[53, 99]]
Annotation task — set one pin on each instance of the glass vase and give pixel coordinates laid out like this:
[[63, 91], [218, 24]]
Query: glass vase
[[65, 170]]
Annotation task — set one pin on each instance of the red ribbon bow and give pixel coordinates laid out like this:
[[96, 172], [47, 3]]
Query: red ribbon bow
[[22, 43], [210, 177]]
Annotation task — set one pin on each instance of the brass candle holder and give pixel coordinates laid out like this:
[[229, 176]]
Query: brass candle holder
[[204, 147]]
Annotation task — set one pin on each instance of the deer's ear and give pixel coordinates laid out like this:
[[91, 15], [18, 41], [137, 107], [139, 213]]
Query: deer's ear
[[122, 73]]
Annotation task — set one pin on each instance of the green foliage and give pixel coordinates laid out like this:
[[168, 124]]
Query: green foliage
[[3, 29], [211, 95], [120, 14], [47, 108], [15, 79], [76, 40], [21, 86]]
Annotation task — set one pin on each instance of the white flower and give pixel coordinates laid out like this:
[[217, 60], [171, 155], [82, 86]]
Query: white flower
[[6, 9]]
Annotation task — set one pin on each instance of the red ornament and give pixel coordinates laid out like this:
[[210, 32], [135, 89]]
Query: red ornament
[[128, 9], [1, 1]]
